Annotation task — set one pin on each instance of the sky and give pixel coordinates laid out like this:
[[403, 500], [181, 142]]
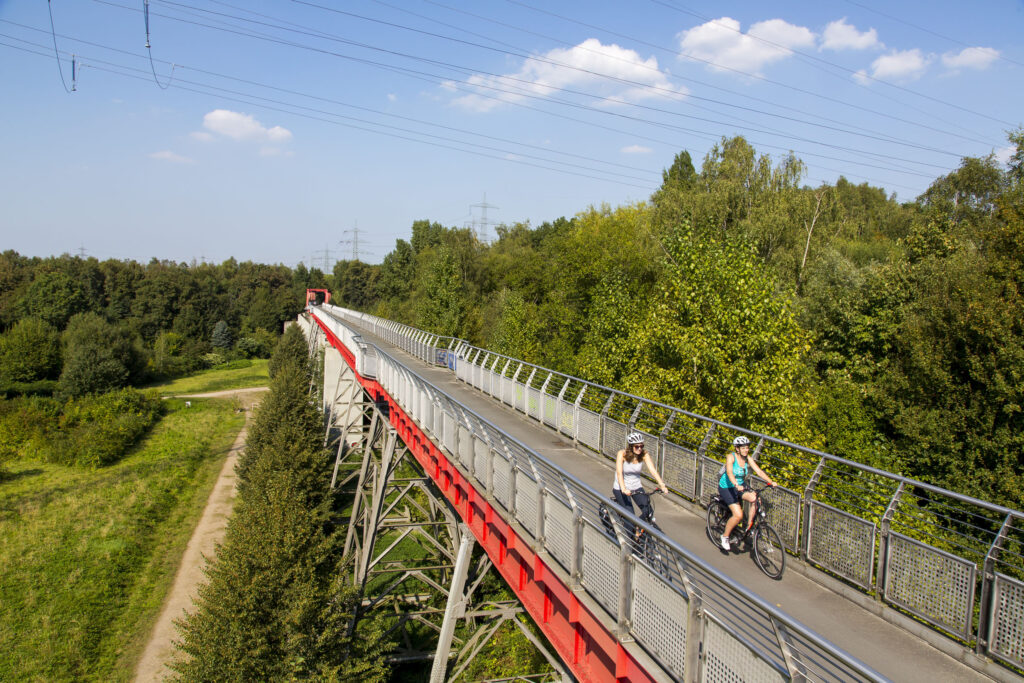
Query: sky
[[316, 130]]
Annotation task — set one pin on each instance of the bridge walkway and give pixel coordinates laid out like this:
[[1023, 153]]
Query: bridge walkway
[[891, 650]]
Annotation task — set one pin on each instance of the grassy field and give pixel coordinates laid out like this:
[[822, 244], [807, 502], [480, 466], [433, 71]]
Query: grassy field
[[217, 380], [87, 556]]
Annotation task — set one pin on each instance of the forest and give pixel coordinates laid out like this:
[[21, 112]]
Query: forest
[[835, 316]]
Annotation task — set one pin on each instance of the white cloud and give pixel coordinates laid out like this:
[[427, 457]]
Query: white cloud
[[839, 35], [1004, 154], [167, 155], [238, 126], [898, 65], [392, 97], [970, 58], [201, 136], [722, 43], [580, 67], [636, 149]]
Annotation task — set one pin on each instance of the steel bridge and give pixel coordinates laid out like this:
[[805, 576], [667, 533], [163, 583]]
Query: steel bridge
[[888, 577]]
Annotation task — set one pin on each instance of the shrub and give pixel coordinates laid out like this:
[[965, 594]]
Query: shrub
[[30, 351], [98, 356]]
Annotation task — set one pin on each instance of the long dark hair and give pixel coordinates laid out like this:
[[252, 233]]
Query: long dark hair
[[630, 457]]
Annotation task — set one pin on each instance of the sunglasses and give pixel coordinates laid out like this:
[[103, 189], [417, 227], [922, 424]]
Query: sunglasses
[[638, 445]]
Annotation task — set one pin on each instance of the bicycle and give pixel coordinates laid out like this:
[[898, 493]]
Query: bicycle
[[645, 546], [768, 550]]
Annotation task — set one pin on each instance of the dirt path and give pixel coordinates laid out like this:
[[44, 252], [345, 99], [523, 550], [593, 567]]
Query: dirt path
[[208, 533]]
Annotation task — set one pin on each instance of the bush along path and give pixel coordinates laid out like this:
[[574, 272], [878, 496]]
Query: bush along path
[[276, 604], [208, 534]]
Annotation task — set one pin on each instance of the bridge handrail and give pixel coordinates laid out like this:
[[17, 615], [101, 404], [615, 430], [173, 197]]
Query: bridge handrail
[[775, 638], [916, 546]]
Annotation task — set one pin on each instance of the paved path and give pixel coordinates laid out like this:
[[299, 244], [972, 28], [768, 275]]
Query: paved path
[[208, 533]]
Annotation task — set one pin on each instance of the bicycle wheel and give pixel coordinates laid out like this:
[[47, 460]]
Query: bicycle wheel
[[717, 514], [769, 552]]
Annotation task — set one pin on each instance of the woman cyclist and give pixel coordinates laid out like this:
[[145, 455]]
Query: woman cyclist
[[629, 463], [731, 485]]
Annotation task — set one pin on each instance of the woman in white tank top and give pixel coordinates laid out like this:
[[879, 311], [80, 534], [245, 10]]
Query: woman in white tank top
[[627, 488]]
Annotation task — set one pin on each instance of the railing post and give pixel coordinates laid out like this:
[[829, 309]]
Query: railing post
[[576, 415], [797, 670], [988, 576], [543, 393], [662, 438], [525, 391], [698, 483], [805, 535], [604, 415], [883, 542], [558, 406]]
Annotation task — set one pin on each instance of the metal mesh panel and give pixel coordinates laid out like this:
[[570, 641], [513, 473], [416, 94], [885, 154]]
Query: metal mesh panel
[[438, 423], [449, 432], [558, 536], [614, 437], [519, 398], [709, 479], [589, 429], [550, 405], [601, 568], [533, 402], [930, 583], [465, 445], [658, 616], [728, 660], [481, 451], [502, 479], [841, 543], [507, 390], [526, 502], [680, 469], [785, 515], [493, 383], [1006, 633], [566, 418]]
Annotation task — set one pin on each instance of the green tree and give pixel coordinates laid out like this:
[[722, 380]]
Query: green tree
[[98, 356], [30, 351], [54, 296], [444, 308]]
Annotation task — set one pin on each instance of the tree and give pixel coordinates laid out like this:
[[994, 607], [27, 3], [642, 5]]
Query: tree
[[444, 309], [221, 337], [98, 357], [30, 351], [54, 296]]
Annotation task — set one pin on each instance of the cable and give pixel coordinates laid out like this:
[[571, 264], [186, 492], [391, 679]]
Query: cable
[[676, 53], [459, 142], [617, 79], [56, 52], [149, 50], [508, 78]]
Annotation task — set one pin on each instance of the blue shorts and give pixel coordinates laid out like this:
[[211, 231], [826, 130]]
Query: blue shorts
[[730, 495]]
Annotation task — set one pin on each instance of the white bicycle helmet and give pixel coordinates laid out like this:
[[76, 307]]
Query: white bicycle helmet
[[741, 441], [635, 438]]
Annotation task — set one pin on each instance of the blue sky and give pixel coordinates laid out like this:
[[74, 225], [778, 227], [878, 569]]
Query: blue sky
[[283, 127]]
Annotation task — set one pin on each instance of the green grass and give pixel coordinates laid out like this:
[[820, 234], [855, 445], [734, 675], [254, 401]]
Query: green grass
[[87, 556], [218, 380]]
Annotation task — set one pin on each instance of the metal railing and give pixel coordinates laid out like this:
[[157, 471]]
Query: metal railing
[[954, 561], [682, 611]]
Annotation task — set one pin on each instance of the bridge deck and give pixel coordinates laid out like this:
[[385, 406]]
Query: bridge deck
[[889, 649]]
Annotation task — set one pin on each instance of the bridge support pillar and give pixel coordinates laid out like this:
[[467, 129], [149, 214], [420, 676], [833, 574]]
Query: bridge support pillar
[[456, 606]]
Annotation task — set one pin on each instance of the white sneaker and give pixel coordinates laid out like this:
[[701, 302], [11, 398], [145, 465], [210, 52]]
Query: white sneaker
[[725, 543]]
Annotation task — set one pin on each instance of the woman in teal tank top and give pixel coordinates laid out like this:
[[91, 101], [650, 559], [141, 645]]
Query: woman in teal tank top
[[732, 485]]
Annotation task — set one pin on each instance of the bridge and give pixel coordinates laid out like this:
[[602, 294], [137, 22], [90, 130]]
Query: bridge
[[887, 578]]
